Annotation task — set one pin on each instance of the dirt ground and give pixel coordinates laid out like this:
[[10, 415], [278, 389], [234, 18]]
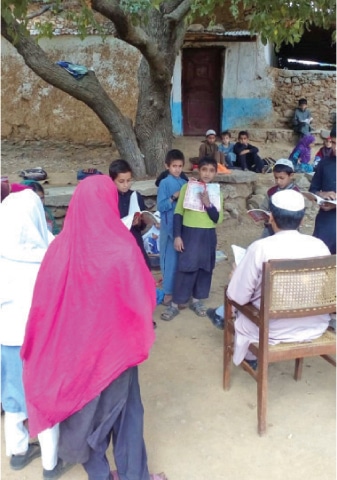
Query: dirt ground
[[193, 429]]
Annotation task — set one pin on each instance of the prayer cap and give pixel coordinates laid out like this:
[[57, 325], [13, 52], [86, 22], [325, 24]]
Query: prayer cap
[[285, 161], [210, 132], [288, 200]]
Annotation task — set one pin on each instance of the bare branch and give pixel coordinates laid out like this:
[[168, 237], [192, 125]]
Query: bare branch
[[41, 11], [179, 12], [133, 35]]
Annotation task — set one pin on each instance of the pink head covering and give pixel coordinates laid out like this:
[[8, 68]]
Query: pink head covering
[[91, 314]]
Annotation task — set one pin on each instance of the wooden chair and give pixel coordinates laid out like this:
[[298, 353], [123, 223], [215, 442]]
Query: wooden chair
[[290, 289]]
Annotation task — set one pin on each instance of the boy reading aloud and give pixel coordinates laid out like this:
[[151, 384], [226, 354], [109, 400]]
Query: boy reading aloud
[[129, 201], [284, 176], [194, 222]]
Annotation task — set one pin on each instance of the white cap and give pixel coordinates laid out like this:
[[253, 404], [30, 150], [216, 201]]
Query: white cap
[[285, 161], [288, 200], [210, 132]]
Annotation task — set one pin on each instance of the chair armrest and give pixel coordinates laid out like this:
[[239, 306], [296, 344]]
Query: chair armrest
[[248, 310]]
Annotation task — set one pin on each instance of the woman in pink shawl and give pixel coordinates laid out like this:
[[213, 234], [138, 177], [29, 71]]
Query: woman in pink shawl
[[301, 155], [89, 327]]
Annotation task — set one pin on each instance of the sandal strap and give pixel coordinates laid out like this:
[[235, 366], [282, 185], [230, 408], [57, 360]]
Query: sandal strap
[[169, 313], [198, 308]]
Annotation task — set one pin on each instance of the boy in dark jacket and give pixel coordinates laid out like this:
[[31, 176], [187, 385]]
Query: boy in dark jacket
[[247, 155]]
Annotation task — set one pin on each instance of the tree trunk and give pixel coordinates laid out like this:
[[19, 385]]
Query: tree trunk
[[153, 132]]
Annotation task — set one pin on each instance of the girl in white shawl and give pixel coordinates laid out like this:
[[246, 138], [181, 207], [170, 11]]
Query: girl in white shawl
[[23, 243]]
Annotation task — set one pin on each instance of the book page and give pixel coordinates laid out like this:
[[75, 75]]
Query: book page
[[192, 200], [148, 218], [317, 198], [239, 253], [259, 215]]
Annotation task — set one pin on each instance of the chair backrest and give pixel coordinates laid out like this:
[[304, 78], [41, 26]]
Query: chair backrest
[[297, 288]]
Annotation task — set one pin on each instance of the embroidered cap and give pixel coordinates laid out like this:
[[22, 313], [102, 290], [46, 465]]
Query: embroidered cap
[[288, 200], [210, 132], [286, 162]]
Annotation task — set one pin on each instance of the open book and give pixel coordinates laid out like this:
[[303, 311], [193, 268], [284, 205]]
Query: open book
[[192, 200], [239, 253], [145, 217], [316, 198], [259, 215]]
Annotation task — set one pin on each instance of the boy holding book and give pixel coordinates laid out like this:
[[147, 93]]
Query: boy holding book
[[195, 240], [168, 194], [129, 201], [284, 180]]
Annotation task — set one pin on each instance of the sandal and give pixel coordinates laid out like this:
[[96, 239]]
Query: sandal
[[169, 313], [198, 308]]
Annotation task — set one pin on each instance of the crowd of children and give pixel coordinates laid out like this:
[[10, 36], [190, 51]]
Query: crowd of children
[[107, 256]]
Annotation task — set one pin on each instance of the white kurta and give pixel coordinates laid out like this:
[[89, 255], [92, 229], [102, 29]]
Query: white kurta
[[245, 287]]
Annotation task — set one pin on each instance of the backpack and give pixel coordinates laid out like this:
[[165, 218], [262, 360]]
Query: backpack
[[87, 172], [33, 174]]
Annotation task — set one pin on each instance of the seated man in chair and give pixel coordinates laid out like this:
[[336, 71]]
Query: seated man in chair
[[287, 211]]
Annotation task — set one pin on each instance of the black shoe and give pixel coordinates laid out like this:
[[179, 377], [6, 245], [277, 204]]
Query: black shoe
[[18, 462], [60, 468], [217, 321]]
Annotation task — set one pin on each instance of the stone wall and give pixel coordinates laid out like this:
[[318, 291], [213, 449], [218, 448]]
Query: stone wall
[[318, 87], [241, 191]]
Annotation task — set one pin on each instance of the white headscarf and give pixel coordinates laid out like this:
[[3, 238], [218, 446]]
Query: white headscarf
[[24, 236]]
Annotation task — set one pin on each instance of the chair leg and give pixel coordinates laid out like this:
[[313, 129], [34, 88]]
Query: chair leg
[[262, 397], [228, 353], [298, 368]]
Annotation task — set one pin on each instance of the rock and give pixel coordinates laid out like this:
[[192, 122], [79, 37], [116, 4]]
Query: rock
[[237, 176], [147, 188], [255, 201]]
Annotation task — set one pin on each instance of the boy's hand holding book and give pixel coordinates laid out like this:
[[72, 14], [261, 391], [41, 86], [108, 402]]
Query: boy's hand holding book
[[205, 199]]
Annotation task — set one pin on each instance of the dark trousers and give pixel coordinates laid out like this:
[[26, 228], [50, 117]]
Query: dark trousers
[[117, 414], [250, 161], [191, 284]]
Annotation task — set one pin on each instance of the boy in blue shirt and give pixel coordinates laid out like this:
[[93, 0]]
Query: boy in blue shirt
[[168, 194], [227, 148], [195, 241]]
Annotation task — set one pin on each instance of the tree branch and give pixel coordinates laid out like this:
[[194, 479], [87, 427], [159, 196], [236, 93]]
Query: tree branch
[[41, 11], [134, 36], [169, 5], [180, 11]]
